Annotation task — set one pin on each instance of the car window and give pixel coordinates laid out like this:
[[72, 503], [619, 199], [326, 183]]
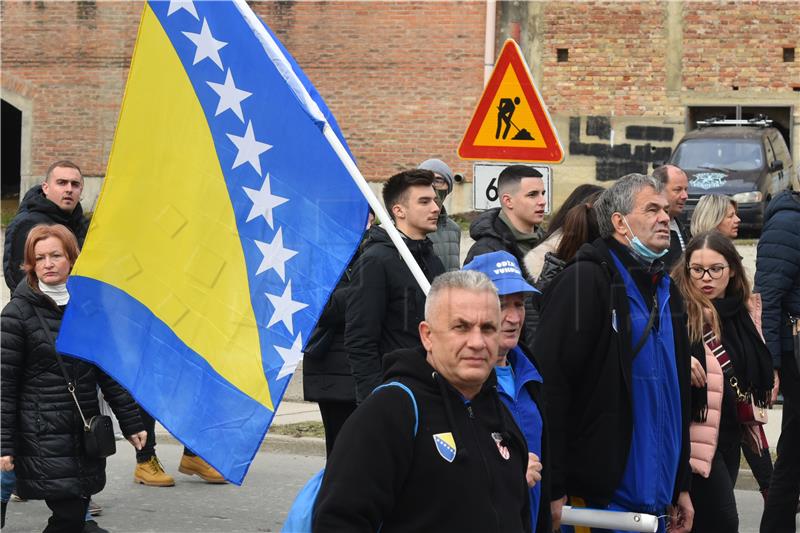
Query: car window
[[780, 149], [719, 154]]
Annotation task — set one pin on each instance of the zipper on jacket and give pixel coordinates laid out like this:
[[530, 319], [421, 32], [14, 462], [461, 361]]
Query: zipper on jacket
[[486, 469]]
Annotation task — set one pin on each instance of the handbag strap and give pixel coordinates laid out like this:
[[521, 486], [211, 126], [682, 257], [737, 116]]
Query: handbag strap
[[725, 363], [70, 384]]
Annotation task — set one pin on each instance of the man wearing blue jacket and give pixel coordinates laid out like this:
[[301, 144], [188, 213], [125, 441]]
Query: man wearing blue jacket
[[519, 382]]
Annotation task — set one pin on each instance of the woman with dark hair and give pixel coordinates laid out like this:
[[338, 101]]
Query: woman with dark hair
[[717, 295], [42, 415], [535, 259]]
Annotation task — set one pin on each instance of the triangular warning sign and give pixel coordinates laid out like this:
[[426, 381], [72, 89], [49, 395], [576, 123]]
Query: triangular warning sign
[[511, 122]]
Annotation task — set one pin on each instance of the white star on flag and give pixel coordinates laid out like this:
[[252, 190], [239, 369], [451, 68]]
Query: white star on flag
[[275, 255], [177, 5], [291, 357], [207, 46], [249, 148], [229, 96], [263, 201], [285, 307]]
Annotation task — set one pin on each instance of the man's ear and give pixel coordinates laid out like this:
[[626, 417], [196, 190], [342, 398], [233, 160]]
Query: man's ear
[[398, 211], [45, 186], [619, 224], [425, 335], [507, 201]]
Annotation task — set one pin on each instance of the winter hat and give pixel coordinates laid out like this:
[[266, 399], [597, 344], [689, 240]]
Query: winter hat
[[437, 166]]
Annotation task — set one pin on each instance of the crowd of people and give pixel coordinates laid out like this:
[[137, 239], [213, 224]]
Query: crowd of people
[[619, 360], [47, 399], [615, 360]]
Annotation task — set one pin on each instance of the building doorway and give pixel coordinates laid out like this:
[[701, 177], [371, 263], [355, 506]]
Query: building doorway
[[11, 139]]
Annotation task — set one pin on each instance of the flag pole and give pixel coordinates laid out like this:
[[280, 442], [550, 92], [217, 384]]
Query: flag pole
[[308, 103], [377, 207]]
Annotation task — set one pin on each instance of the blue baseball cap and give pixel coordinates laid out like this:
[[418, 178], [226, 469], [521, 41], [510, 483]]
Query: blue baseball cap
[[503, 269]]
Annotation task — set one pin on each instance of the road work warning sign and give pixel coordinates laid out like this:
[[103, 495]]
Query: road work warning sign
[[511, 122]]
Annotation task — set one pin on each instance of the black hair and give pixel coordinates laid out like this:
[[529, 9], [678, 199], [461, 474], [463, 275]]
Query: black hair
[[396, 188], [512, 175]]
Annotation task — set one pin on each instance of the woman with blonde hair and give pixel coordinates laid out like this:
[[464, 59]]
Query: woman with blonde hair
[[716, 212], [717, 295], [46, 396]]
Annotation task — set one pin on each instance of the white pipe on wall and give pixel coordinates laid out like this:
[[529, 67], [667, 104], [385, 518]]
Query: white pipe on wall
[[488, 54]]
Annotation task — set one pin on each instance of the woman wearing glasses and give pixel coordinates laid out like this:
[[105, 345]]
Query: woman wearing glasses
[[717, 294]]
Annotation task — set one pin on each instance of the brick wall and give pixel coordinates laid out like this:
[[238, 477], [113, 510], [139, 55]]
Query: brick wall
[[401, 79], [727, 44]]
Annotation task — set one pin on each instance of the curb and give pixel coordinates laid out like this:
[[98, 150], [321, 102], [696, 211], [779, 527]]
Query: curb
[[309, 446]]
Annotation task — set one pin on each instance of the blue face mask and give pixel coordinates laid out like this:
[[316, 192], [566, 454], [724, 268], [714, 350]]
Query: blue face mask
[[639, 247]]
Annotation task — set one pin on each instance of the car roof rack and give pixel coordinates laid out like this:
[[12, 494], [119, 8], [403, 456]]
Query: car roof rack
[[760, 121]]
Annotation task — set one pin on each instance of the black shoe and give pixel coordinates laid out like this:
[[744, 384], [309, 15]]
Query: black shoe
[[92, 527]]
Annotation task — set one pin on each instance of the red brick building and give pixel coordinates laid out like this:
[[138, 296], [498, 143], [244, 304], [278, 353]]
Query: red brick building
[[622, 80]]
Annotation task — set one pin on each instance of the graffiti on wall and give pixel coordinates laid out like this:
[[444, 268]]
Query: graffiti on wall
[[613, 160]]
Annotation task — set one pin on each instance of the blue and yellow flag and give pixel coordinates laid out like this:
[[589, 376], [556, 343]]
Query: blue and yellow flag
[[224, 223]]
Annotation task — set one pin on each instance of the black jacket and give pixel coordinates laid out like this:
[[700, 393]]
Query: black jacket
[[675, 250], [36, 209], [587, 370], [381, 477], [491, 234], [778, 272], [327, 376], [41, 427], [384, 305]]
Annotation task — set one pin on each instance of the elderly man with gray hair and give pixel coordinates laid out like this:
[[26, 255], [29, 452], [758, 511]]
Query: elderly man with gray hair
[[433, 449], [616, 366]]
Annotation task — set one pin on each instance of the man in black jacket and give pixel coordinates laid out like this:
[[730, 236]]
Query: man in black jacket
[[385, 303], [616, 366], [515, 227], [451, 459], [56, 201], [676, 190], [778, 281]]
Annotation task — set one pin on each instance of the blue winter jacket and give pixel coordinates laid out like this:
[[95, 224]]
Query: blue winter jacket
[[778, 272]]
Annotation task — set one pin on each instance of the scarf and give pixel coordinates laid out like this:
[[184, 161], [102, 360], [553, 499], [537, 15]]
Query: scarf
[[699, 395], [58, 293], [752, 362]]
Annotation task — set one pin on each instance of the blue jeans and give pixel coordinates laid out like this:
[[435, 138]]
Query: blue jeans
[[8, 480]]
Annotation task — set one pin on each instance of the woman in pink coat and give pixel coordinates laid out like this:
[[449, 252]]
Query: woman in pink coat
[[717, 293]]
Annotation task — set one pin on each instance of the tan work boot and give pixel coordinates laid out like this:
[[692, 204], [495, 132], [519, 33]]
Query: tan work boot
[[151, 473], [196, 466]]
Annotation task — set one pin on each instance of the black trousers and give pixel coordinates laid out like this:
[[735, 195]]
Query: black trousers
[[713, 499], [761, 466], [149, 448], [334, 415], [784, 489], [69, 516]]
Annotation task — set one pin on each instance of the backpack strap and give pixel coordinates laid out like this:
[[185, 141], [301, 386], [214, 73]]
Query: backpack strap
[[410, 394]]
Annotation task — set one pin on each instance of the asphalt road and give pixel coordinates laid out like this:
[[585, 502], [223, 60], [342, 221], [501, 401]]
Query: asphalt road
[[192, 505], [195, 506]]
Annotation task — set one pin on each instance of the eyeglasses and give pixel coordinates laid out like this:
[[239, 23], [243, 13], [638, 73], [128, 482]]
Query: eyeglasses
[[714, 271]]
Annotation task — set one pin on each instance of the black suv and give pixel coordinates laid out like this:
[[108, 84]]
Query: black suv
[[746, 159]]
